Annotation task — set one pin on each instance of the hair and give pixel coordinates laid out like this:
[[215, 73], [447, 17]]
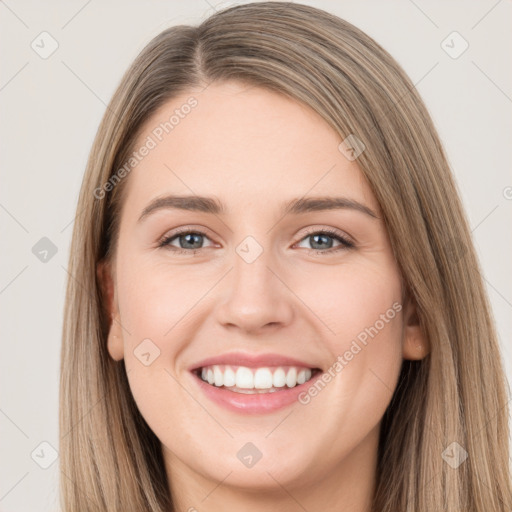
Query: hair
[[109, 457]]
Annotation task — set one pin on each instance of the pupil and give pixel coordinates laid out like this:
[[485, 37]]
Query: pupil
[[315, 237], [188, 238]]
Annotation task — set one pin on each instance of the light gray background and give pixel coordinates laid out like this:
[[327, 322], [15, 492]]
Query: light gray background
[[51, 108]]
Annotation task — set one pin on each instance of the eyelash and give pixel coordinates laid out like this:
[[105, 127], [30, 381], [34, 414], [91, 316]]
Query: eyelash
[[346, 243]]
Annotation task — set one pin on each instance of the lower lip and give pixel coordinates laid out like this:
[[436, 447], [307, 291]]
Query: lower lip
[[256, 403]]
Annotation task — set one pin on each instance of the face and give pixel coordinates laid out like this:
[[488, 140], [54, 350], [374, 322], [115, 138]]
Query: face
[[261, 297]]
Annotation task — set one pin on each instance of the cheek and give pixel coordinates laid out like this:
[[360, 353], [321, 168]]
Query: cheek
[[360, 310], [155, 310], [349, 299], [155, 302]]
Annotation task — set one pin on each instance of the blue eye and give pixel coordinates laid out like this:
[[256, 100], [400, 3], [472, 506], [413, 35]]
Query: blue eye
[[320, 237], [190, 241]]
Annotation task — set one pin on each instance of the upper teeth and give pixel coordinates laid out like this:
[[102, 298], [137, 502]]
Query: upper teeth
[[255, 378]]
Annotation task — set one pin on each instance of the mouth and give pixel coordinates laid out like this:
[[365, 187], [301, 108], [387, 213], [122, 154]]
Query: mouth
[[247, 383], [255, 380]]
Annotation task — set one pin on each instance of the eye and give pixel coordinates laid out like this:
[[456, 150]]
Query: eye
[[189, 241], [321, 244]]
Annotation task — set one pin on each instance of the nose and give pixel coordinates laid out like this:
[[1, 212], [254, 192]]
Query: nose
[[257, 299]]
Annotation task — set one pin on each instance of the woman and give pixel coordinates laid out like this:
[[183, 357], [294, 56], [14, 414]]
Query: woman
[[250, 371]]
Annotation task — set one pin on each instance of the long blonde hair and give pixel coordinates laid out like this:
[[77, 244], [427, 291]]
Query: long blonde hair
[[110, 459]]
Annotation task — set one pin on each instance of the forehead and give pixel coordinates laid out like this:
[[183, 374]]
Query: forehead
[[245, 145]]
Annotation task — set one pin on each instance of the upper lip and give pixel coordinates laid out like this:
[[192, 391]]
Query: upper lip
[[251, 360]]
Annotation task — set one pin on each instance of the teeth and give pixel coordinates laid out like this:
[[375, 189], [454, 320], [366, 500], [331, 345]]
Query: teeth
[[229, 377], [244, 378], [263, 378], [218, 378], [291, 377], [279, 378], [249, 380]]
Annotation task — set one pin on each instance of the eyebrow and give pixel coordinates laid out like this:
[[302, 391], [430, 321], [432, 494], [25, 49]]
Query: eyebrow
[[214, 206]]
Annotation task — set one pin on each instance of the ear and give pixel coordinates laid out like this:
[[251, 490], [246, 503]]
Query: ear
[[415, 344], [115, 335]]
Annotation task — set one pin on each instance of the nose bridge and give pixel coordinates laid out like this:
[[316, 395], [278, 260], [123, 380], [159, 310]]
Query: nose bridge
[[256, 297], [251, 264]]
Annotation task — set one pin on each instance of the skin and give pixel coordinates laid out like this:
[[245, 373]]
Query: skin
[[253, 150]]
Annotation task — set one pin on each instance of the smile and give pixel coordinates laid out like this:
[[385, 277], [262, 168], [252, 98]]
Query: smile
[[242, 379], [248, 383]]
